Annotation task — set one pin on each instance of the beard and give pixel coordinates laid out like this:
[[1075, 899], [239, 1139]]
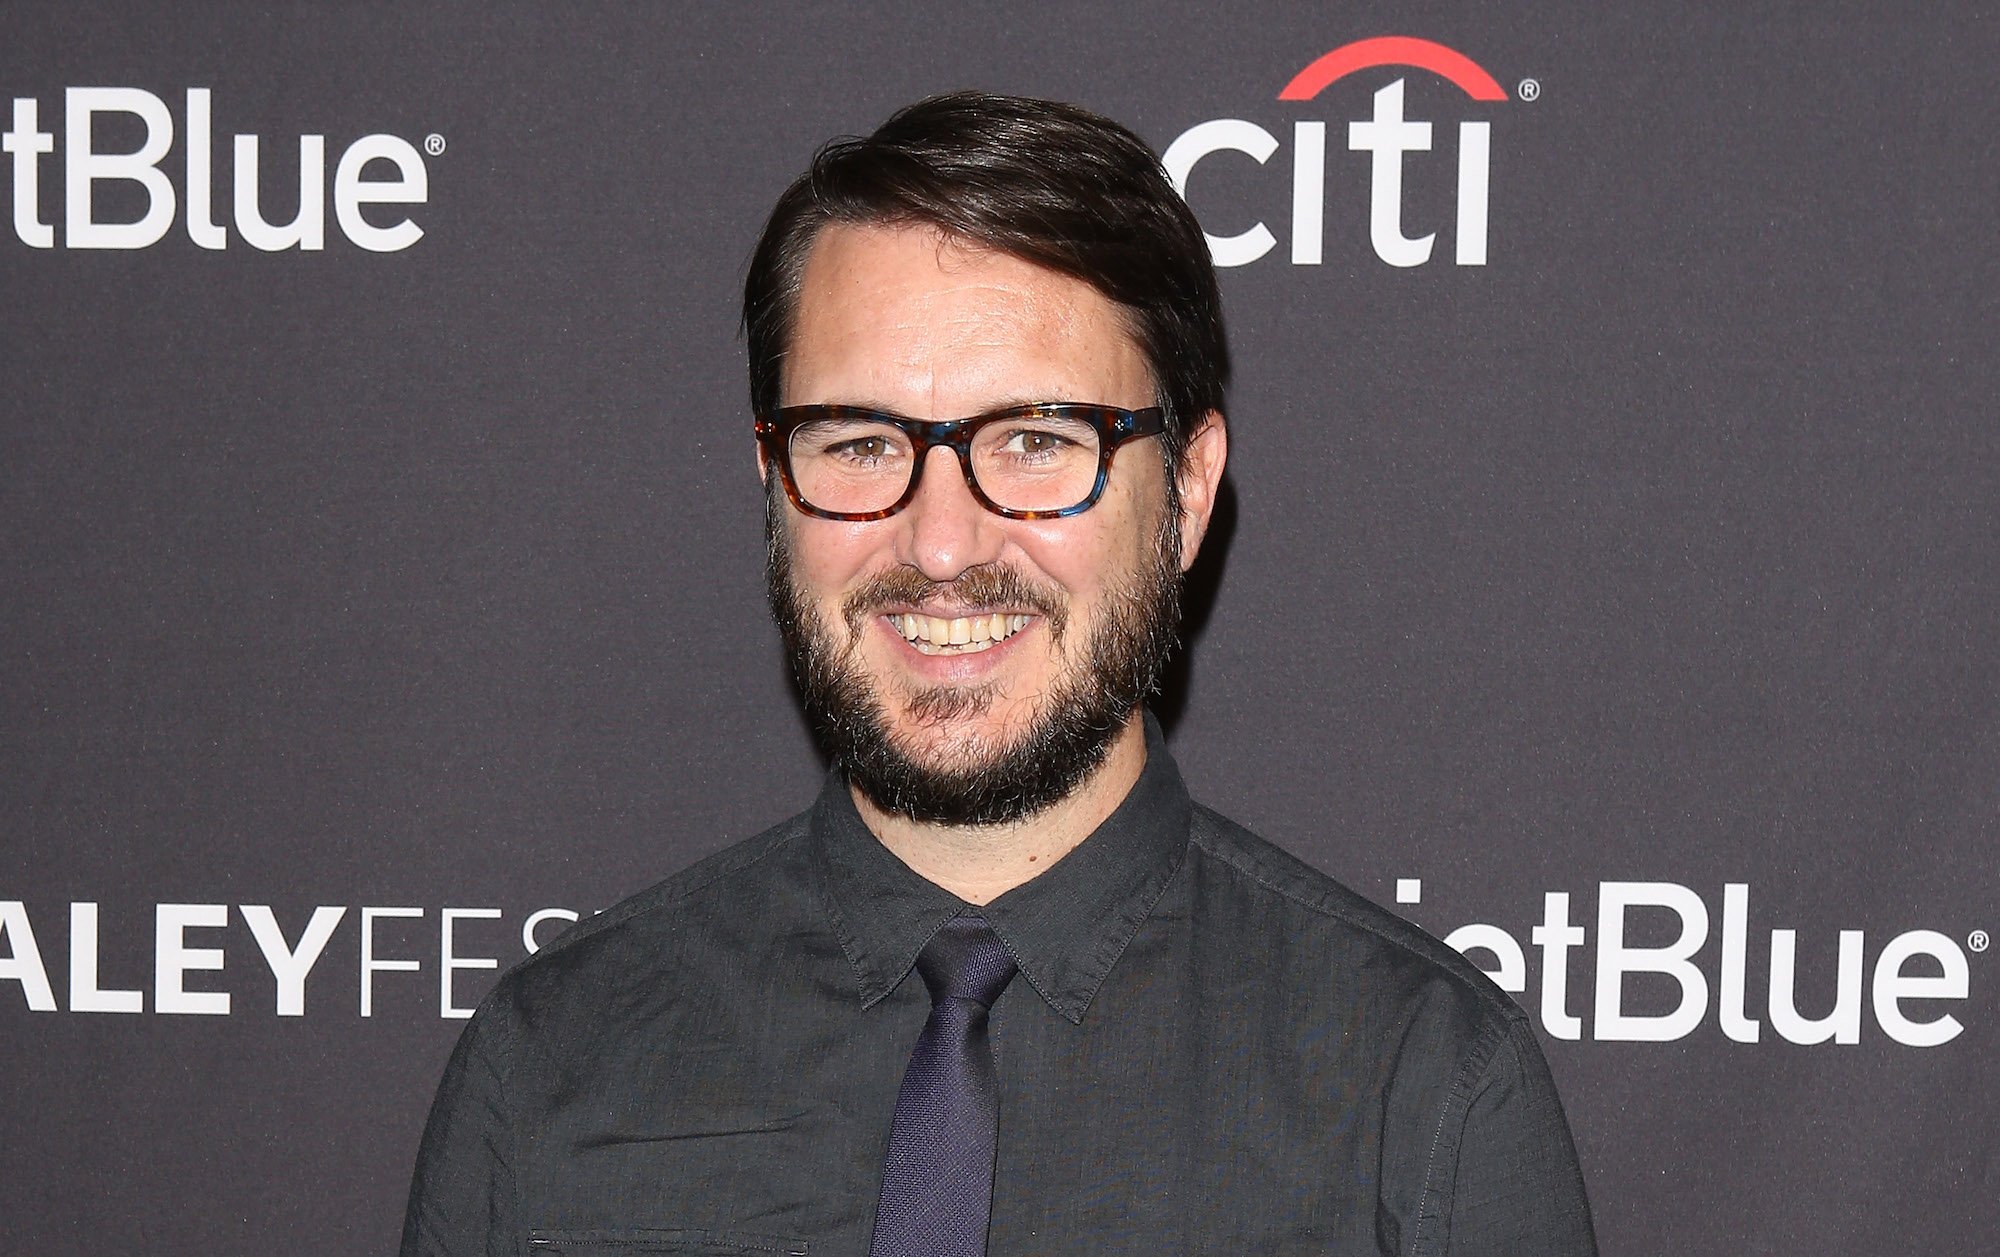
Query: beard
[[972, 781]]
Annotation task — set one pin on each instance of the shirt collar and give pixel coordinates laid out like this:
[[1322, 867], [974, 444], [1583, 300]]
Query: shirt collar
[[1065, 928]]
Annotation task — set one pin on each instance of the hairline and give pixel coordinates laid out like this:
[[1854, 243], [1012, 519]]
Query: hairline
[[1176, 441]]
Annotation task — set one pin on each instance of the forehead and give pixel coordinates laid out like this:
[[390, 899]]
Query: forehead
[[908, 319]]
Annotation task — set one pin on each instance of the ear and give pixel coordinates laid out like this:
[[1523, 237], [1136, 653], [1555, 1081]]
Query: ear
[[1200, 479]]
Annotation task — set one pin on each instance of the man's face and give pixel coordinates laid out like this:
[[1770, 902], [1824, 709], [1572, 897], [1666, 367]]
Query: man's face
[[903, 320]]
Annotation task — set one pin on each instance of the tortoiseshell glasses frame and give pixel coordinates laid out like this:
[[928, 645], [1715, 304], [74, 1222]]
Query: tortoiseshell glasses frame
[[1111, 426]]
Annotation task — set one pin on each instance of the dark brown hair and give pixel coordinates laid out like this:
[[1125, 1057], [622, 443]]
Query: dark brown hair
[[1045, 182]]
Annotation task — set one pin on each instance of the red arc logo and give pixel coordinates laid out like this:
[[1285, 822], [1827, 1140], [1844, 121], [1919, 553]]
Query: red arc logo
[[1422, 54]]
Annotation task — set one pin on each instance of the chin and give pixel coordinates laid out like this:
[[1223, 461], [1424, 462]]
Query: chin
[[956, 741]]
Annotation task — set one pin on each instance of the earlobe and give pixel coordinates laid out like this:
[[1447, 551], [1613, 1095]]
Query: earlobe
[[1200, 481]]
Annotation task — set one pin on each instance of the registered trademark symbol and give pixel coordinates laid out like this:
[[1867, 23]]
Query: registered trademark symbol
[[1528, 90], [1978, 941], [434, 143]]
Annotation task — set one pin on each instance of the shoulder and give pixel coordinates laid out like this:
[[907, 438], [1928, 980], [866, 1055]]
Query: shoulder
[[731, 869], [643, 938], [1314, 922], [1469, 1116]]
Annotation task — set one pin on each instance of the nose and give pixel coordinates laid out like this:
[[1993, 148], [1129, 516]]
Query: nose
[[945, 530]]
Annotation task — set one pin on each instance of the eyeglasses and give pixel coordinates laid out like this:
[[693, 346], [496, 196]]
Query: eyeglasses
[[1046, 460]]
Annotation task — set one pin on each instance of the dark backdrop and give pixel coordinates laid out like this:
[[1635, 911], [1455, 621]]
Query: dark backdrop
[[1652, 557]]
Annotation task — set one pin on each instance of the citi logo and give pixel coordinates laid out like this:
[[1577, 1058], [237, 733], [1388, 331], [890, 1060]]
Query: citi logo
[[1910, 984], [373, 170], [1387, 136]]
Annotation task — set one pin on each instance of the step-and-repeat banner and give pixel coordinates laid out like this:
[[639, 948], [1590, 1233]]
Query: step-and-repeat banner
[[1606, 577]]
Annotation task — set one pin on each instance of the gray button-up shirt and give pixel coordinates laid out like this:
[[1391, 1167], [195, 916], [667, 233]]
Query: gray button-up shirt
[[1211, 1048]]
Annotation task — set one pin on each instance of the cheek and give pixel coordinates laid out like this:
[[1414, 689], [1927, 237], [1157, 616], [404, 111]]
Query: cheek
[[1082, 554], [1106, 543], [828, 556]]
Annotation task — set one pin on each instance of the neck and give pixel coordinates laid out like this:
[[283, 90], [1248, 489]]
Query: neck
[[979, 863]]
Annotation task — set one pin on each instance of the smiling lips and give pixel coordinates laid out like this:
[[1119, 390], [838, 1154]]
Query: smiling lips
[[965, 635]]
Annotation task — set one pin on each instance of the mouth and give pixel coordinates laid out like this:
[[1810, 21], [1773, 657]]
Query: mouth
[[960, 635]]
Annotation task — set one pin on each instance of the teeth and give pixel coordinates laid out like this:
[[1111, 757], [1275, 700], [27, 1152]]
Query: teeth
[[964, 635]]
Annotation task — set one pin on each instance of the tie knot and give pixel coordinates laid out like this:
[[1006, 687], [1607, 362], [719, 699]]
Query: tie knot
[[965, 959]]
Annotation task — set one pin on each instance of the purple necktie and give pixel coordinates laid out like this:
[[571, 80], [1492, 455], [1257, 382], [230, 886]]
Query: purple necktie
[[937, 1181]]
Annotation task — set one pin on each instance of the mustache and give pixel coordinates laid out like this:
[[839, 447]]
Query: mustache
[[986, 585]]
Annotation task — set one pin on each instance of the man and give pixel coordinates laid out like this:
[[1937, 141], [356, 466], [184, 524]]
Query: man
[[1004, 988]]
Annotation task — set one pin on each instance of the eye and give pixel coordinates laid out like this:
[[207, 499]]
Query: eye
[[1033, 441], [865, 448], [849, 443]]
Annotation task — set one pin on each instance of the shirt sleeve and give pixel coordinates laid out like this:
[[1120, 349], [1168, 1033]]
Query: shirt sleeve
[[1518, 1189], [462, 1196]]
